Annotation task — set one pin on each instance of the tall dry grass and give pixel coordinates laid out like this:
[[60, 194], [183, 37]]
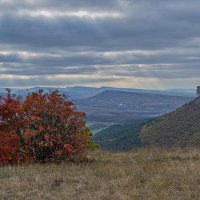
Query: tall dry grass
[[144, 174]]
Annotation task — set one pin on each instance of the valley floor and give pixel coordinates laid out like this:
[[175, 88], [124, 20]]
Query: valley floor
[[144, 174]]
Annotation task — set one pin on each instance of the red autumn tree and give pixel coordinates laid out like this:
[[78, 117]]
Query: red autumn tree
[[11, 120], [45, 126]]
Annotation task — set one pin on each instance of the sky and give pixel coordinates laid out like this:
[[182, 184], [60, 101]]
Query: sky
[[152, 44]]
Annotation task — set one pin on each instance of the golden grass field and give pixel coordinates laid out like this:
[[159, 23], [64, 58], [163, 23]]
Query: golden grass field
[[143, 174]]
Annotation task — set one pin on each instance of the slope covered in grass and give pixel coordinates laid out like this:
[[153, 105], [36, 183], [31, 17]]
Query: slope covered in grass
[[120, 137], [179, 128], [152, 174]]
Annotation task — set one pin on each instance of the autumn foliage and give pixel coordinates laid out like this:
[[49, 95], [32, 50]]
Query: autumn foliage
[[44, 127]]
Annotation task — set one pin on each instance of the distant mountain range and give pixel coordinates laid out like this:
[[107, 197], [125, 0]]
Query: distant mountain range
[[120, 106], [79, 92], [92, 91]]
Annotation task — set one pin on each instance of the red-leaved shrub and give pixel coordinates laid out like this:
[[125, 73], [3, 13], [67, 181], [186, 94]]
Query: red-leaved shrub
[[44, 127], [11, 115]]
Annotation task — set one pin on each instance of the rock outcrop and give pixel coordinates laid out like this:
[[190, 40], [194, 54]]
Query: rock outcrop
[[198, 91]]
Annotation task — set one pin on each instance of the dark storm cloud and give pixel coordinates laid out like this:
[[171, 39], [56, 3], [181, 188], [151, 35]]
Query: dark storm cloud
[[107, 39]]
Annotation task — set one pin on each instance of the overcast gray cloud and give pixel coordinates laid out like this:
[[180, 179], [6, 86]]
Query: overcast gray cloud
[[122, 43]]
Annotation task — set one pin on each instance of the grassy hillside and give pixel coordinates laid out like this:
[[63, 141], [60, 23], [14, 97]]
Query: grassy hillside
[[179, 128], [152, 174], [120, 137]]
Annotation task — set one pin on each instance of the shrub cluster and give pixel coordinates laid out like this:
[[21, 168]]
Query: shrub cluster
[[43, 127]]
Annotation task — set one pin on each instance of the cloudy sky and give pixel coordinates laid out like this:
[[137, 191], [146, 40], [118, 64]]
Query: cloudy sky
[[121, 43]]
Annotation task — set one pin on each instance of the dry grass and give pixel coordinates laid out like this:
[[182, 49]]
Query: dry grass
[[144, 174]]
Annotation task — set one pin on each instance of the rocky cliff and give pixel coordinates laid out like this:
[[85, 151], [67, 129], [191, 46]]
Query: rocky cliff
[[198, 91]]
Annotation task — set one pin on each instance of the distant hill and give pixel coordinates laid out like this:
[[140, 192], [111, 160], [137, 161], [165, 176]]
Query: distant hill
[[178, 128], [92, 91], [133, 100], [120, 106], [78, 92]]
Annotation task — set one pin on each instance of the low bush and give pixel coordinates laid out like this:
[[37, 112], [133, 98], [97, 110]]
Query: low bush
[[44, 127]]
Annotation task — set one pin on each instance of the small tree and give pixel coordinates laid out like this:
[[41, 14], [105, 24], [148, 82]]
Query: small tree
[[45, 126]]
